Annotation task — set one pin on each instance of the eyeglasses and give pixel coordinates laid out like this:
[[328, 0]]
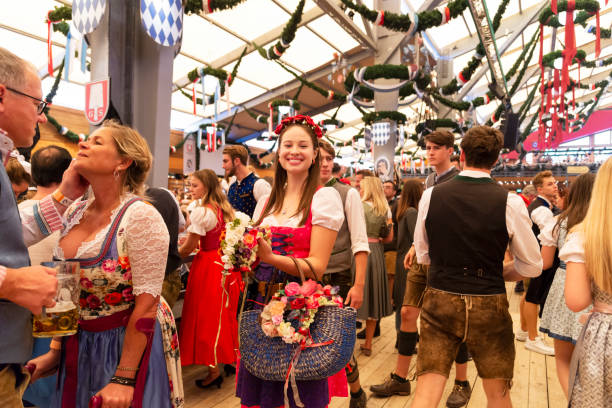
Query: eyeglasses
[[41, 103]]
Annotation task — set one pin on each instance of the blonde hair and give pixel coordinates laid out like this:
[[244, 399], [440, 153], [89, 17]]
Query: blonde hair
[[372, 189], [131, 145], [214, 195], [597, 230]]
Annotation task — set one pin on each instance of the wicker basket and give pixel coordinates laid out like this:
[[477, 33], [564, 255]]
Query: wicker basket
[[268, 358]]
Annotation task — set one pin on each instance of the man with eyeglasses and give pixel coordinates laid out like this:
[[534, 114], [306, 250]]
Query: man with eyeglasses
[[24, 289]]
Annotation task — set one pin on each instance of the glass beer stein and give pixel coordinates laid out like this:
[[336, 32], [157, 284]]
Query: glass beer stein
[[61, 319]]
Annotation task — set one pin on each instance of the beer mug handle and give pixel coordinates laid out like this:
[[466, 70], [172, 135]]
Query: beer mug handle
[[95, 401], [43, 314]]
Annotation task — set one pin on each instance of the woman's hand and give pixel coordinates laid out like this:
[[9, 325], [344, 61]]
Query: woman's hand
[[264, 251], [116, 396], [44, 365]]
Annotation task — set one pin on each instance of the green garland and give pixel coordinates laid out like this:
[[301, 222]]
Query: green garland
[[327, 94], [387, 71], [372, 117], [548, 18], [235, 69], [260, 118], [220, 74], [195, 6], [467, 72], [287, 35], [402, 22]]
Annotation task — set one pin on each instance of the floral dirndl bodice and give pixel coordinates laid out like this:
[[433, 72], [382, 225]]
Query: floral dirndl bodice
[[106, 279]]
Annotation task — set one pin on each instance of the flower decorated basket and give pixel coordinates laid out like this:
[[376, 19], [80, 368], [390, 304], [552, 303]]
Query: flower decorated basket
[[304, 333]]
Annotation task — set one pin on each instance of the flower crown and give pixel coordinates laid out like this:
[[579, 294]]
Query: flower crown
[[301, 120]]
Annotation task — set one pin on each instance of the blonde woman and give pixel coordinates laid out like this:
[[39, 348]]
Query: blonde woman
[[588, 255], [121, 243], [376, 299], [209, 331]]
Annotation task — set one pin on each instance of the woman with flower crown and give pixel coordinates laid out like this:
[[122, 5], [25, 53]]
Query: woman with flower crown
[[304, 220], [209, 331]]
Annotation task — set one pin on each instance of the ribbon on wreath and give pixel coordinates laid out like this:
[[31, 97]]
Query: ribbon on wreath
[[270, 118], [206, 8], [202, 78], [380, 18], [193, 95], [553, 6], [540, 61], [445, 12], [570, 48], [67, 55]]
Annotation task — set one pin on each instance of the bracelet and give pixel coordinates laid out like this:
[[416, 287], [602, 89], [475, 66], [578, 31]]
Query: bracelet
[[55, 345], [130, 382], [128, 368], [60, 198], [2, 274]]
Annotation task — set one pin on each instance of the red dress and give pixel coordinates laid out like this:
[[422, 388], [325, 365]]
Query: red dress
[[209, 310]]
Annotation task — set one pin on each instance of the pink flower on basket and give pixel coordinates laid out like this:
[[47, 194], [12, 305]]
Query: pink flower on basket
[[292, 289], [109, 266], [308, 288], [327, 290], [86, 283], [277, 319], [127, 294], [312, 304]]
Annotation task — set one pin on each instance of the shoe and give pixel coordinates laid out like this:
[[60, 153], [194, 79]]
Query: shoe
[[361, 335], [521, 335], [217, 381], [539, 346], [358, 324], [229, 370], [391, 387], [365, 351], [519, 287], [359, 402], [459, 397]]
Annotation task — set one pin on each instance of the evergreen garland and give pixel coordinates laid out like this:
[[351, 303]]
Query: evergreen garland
[[286, 102], [220, 74], [402, 22], [287, 35], [548, 18], [235, 69], [372, 117], [327, 94], [195, 6], [467, 72]]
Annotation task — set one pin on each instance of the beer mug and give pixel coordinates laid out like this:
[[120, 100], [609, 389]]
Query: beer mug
[[61, 319]]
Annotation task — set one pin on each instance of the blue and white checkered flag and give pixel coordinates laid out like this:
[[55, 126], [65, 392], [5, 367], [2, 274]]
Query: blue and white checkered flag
[[381, 131], [86, 14], [162, 20]]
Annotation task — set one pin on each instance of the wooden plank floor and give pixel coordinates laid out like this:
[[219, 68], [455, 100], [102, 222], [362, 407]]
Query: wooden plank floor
[[535, 377]]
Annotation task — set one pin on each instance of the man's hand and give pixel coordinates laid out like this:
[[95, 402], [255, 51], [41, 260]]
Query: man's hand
[[73, 184], [409, 258], [31, 287], [354, 297]]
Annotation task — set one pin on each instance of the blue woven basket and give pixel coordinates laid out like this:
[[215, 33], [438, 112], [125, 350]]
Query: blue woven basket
[[268, 357]]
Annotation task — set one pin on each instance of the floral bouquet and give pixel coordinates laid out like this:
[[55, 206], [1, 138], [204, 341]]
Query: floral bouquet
[[297, 303], [239, 244]]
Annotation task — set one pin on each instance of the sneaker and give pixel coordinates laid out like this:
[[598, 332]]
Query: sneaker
[[521, 335], [519, 287], [459, 397], [539, 346], [391, 387], [359, 402]]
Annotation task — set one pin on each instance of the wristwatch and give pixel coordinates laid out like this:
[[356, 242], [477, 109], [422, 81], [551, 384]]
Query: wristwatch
[[60, 198]]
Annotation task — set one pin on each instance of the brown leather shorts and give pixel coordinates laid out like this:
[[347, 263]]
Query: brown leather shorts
[[482, 322], [416, 282]]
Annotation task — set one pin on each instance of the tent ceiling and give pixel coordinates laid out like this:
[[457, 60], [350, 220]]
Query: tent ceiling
[[218, 39]]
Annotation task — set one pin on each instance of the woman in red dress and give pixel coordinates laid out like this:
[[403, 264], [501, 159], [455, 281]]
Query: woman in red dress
[[209, 330]]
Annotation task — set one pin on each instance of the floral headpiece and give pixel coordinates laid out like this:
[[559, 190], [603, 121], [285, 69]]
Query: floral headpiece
[[302, 120]]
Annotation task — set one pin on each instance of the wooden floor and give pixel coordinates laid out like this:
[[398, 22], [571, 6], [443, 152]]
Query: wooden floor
[[535, 378]]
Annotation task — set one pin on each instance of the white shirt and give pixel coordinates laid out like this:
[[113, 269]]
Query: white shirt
[[203, 219], [523, 244], [543, 216], [326, 210], [260, 188], [355, 218]]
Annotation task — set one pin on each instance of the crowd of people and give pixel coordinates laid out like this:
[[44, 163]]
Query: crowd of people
[[440, 251]]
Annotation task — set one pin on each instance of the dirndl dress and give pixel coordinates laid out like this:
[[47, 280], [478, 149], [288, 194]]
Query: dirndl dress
[[90, 357], [558, 321], [253, 391]]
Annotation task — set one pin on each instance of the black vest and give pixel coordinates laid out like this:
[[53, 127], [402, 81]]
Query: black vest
[[538, 202], [164, 203], [466, 227]]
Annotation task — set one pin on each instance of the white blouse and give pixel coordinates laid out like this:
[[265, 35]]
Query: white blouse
[[573, 249], [147, 241], [203, 219], [326, 210]]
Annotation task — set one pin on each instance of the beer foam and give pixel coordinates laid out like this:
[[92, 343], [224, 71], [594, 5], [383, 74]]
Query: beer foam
[[61, 306]]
